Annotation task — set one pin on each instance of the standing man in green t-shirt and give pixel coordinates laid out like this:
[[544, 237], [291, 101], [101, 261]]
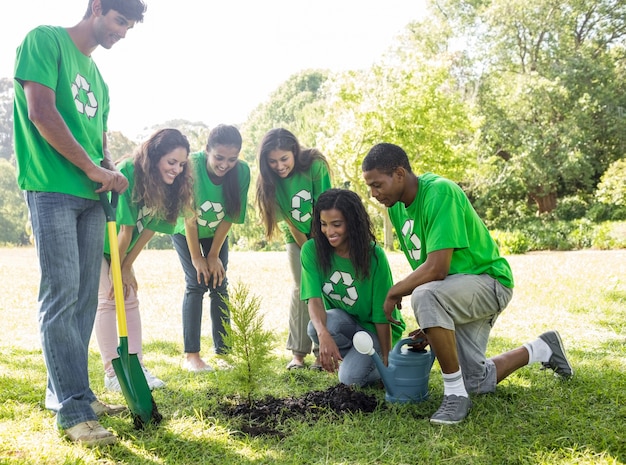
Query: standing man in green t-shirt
[[60, 122], [459, 283]]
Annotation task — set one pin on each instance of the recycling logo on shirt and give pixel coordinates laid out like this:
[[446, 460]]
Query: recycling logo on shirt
[[144, 212], [340, 288], [210, 214], [84, 98], [412, 242], [301, 206]]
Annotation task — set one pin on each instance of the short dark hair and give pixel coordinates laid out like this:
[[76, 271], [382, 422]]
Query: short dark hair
[[386, 158], [130, 9]]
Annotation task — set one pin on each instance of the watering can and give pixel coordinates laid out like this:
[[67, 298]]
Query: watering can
[[406, 377]]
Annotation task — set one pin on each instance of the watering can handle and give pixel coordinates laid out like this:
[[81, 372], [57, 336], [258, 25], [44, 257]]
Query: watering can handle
[[406, 341]]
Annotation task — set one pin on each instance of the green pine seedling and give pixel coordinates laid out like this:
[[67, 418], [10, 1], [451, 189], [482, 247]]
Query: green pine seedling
[[250, 344]]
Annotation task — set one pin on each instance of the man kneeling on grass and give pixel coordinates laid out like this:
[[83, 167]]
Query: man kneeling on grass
[[459, 284]]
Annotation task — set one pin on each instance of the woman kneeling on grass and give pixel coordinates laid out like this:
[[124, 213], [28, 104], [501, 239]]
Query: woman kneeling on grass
[[159, 191], [345, 279]]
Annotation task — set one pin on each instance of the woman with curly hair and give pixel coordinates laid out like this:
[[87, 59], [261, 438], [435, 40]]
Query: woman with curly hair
[[345, 279], [290, 180], [160, 190]]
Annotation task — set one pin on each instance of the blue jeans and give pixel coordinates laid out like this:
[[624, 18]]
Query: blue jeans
[[194, 294], [356, 368], [69, 237]]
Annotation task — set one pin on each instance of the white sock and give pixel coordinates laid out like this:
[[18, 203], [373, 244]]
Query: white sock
[[453, 384], [538, 351]]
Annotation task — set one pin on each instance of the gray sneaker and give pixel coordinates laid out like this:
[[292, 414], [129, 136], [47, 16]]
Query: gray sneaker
[[453, 410], [558, 361]]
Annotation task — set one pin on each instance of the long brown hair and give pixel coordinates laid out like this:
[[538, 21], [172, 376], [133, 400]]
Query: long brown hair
[[167, 201], [279, 139]]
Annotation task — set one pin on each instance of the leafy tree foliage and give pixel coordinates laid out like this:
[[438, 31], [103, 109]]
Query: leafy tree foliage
[[119, 145], [291, 106], [196, 131], [295, 105], [611, 190], [6, 118], [551, 94], [13, 211], [413, 99]]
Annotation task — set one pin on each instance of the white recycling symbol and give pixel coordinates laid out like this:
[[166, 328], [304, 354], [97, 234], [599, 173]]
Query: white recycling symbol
[[411, 239], [296, 204], [143, 212], [346, 279], [90, 107], [208, 206]]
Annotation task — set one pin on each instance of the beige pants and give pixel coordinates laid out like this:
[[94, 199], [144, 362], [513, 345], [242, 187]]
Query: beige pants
[[298, 341], [106, 322]]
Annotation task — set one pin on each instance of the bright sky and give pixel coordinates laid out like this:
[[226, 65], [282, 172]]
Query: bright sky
[[215, 61]]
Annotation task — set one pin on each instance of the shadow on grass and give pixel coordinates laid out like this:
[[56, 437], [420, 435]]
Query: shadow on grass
[[533, 417]]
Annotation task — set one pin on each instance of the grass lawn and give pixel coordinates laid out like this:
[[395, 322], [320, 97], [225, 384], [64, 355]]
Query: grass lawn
[[533, 418]]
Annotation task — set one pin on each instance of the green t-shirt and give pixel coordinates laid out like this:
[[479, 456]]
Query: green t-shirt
[[49, 57], [130, 213], [361, 298], [209, 199], [442, 217], [297, 194]]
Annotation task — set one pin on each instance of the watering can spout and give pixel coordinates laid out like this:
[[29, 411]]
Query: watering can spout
[[364, 344]]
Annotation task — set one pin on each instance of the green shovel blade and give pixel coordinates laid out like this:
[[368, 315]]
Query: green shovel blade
[[133, 382]]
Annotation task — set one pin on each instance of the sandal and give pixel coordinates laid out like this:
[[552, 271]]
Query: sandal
[[293, 365], [316, 367]]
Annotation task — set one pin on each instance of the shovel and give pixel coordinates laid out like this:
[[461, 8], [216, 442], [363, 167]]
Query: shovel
[[127, 367]]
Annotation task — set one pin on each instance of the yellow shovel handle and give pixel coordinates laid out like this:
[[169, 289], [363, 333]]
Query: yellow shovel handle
[[116, 266], [118, 287]]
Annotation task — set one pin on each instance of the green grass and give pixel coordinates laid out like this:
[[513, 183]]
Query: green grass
[[533, 418]]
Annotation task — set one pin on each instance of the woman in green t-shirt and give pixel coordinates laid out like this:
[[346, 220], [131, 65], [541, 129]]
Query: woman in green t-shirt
[[159, 192], [345, 279], [221, 182], [290, 180]]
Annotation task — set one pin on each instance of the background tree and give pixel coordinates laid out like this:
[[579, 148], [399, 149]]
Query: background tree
[[412, 98], [294, 105], [6, 118], [13, 211], [551, 93], [119, 145]]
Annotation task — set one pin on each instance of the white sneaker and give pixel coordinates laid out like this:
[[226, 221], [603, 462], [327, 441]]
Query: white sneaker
[[111, 383], [153, 381]]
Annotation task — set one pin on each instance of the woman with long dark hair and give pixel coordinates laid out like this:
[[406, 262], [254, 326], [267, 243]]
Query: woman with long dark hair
[[221, 182], [345, 279], [290, 180]]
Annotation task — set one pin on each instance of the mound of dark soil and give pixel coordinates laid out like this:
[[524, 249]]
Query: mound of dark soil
[[264, 416]]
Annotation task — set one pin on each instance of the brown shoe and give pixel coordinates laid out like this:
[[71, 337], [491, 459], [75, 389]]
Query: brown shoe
[[91, 434], [100, 408]]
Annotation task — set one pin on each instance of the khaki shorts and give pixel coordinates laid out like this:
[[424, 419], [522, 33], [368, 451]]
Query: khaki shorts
[[468, 305]]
